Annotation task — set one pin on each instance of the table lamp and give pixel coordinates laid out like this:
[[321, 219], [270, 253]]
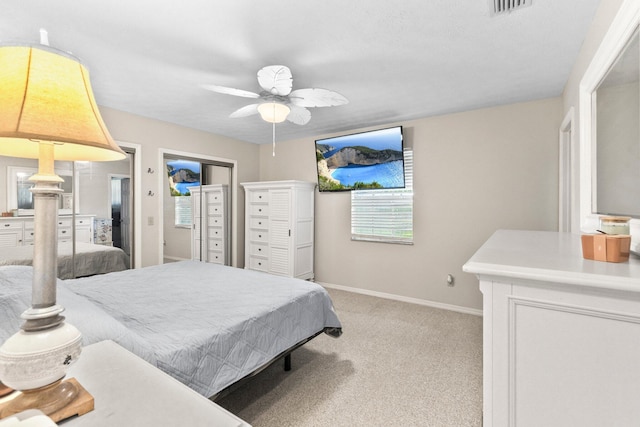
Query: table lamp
[[47, 112]]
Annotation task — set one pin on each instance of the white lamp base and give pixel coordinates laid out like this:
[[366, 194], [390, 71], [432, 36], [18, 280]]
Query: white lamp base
[[34, 359]]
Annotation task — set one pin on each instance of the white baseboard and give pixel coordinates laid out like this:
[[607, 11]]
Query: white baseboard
[[175, 258], [418, 301]]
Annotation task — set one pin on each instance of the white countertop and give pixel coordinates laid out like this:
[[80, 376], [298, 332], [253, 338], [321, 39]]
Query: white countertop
[[550, 257], [128, 391]]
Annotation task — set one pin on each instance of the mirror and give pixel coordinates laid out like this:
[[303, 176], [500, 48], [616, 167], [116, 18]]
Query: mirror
[[616, 111], [18, 185]]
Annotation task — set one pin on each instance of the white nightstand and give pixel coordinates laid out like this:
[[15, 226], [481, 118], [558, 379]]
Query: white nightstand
[[128, 391]]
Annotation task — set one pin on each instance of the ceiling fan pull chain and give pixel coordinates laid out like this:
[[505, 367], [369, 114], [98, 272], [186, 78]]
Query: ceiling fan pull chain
[[274, 139]]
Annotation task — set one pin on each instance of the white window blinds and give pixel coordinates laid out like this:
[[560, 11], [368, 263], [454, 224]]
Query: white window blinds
[[385, 215], [183, 211]]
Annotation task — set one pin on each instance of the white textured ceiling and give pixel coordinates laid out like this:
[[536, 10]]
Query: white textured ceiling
[[393, 60]]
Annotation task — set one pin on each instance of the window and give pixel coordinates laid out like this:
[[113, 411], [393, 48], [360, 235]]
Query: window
[[183, 211], [385, 215]]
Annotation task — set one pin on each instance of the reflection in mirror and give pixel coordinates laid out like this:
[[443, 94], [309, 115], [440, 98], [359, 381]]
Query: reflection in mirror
[[19, 187], [616, 189], [85, 246]]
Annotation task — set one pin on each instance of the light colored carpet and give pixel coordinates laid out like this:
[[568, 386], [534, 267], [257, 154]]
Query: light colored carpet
[[396, 364]]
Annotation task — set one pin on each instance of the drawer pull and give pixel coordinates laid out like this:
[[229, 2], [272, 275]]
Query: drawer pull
[[7, 225], [63, 231], [259, 249], [260, 236]]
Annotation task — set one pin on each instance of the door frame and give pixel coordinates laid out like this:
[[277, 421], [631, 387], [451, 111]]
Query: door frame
[[233, 195], [136, 214], [566, 173]]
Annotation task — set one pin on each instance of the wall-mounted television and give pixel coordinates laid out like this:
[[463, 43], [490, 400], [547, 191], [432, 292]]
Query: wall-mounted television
[[182, 174], [361, 161]]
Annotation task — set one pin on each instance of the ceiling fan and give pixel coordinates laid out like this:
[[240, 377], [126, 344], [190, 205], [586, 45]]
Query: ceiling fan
[[277, 101]]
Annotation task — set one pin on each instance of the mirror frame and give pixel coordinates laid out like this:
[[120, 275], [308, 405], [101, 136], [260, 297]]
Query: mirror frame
[[622, 28], [12, 182]]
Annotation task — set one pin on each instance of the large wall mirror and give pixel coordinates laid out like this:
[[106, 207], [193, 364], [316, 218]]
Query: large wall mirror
[[616, 109], [610, 126]]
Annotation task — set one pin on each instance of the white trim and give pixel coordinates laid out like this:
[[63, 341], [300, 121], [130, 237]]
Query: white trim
[[176, 258], [566, 128], [234, 197], [433, 304], [137, 201], [621, 29]]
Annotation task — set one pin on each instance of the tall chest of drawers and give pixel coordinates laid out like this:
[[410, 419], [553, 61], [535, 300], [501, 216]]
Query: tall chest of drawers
[[210, 231], [279, 227]]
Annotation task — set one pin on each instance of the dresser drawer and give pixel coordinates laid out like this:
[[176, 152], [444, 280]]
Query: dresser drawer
[[259, 249], [216, 221], [64, 233], [259, 236], [259, 210], [64, 222], [10, 225], [215, 257], [216, 244], [214, 197], [258, 222], [259, 196], [215, 233], [261, 264], [215, 209], [83, 222]]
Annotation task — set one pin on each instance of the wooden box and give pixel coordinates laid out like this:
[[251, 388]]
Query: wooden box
[[606, 247]]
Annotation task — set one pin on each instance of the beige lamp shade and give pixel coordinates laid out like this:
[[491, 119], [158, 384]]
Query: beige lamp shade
[[47, 96], [273, 112]]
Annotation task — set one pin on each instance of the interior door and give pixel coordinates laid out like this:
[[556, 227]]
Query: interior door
[[125, 214]]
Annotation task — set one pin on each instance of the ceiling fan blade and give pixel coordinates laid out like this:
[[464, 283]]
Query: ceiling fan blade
[[299, 115], [276, 79], [316, 98], [245, 111], [231, 91]]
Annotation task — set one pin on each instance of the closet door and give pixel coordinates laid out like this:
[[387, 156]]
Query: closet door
[[196, 218]]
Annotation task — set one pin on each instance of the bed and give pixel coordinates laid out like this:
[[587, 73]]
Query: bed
[[90, 259], [207, 325]]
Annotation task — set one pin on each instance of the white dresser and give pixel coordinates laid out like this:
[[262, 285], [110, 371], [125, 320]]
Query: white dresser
[[18, 230], [279, 227], [561, 334], [210, 219]]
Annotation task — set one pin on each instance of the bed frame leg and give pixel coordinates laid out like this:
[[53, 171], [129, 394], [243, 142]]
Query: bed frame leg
[[287, 362]]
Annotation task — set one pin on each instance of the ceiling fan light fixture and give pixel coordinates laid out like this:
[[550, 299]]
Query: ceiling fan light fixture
[[273, 112]]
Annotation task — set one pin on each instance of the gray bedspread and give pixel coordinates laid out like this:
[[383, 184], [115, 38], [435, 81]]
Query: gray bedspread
[[207, 325], [89, 259]]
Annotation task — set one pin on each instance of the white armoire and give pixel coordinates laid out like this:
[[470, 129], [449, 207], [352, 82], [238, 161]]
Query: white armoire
[[210, 225], [279, 227]]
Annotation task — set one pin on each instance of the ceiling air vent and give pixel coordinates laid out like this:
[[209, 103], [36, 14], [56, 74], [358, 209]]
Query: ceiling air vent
[[500, 7]]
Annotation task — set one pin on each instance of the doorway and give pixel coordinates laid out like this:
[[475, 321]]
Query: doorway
[[182, 226]]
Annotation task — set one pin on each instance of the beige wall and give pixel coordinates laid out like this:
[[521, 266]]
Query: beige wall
[[154, 135], [474, 172]]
